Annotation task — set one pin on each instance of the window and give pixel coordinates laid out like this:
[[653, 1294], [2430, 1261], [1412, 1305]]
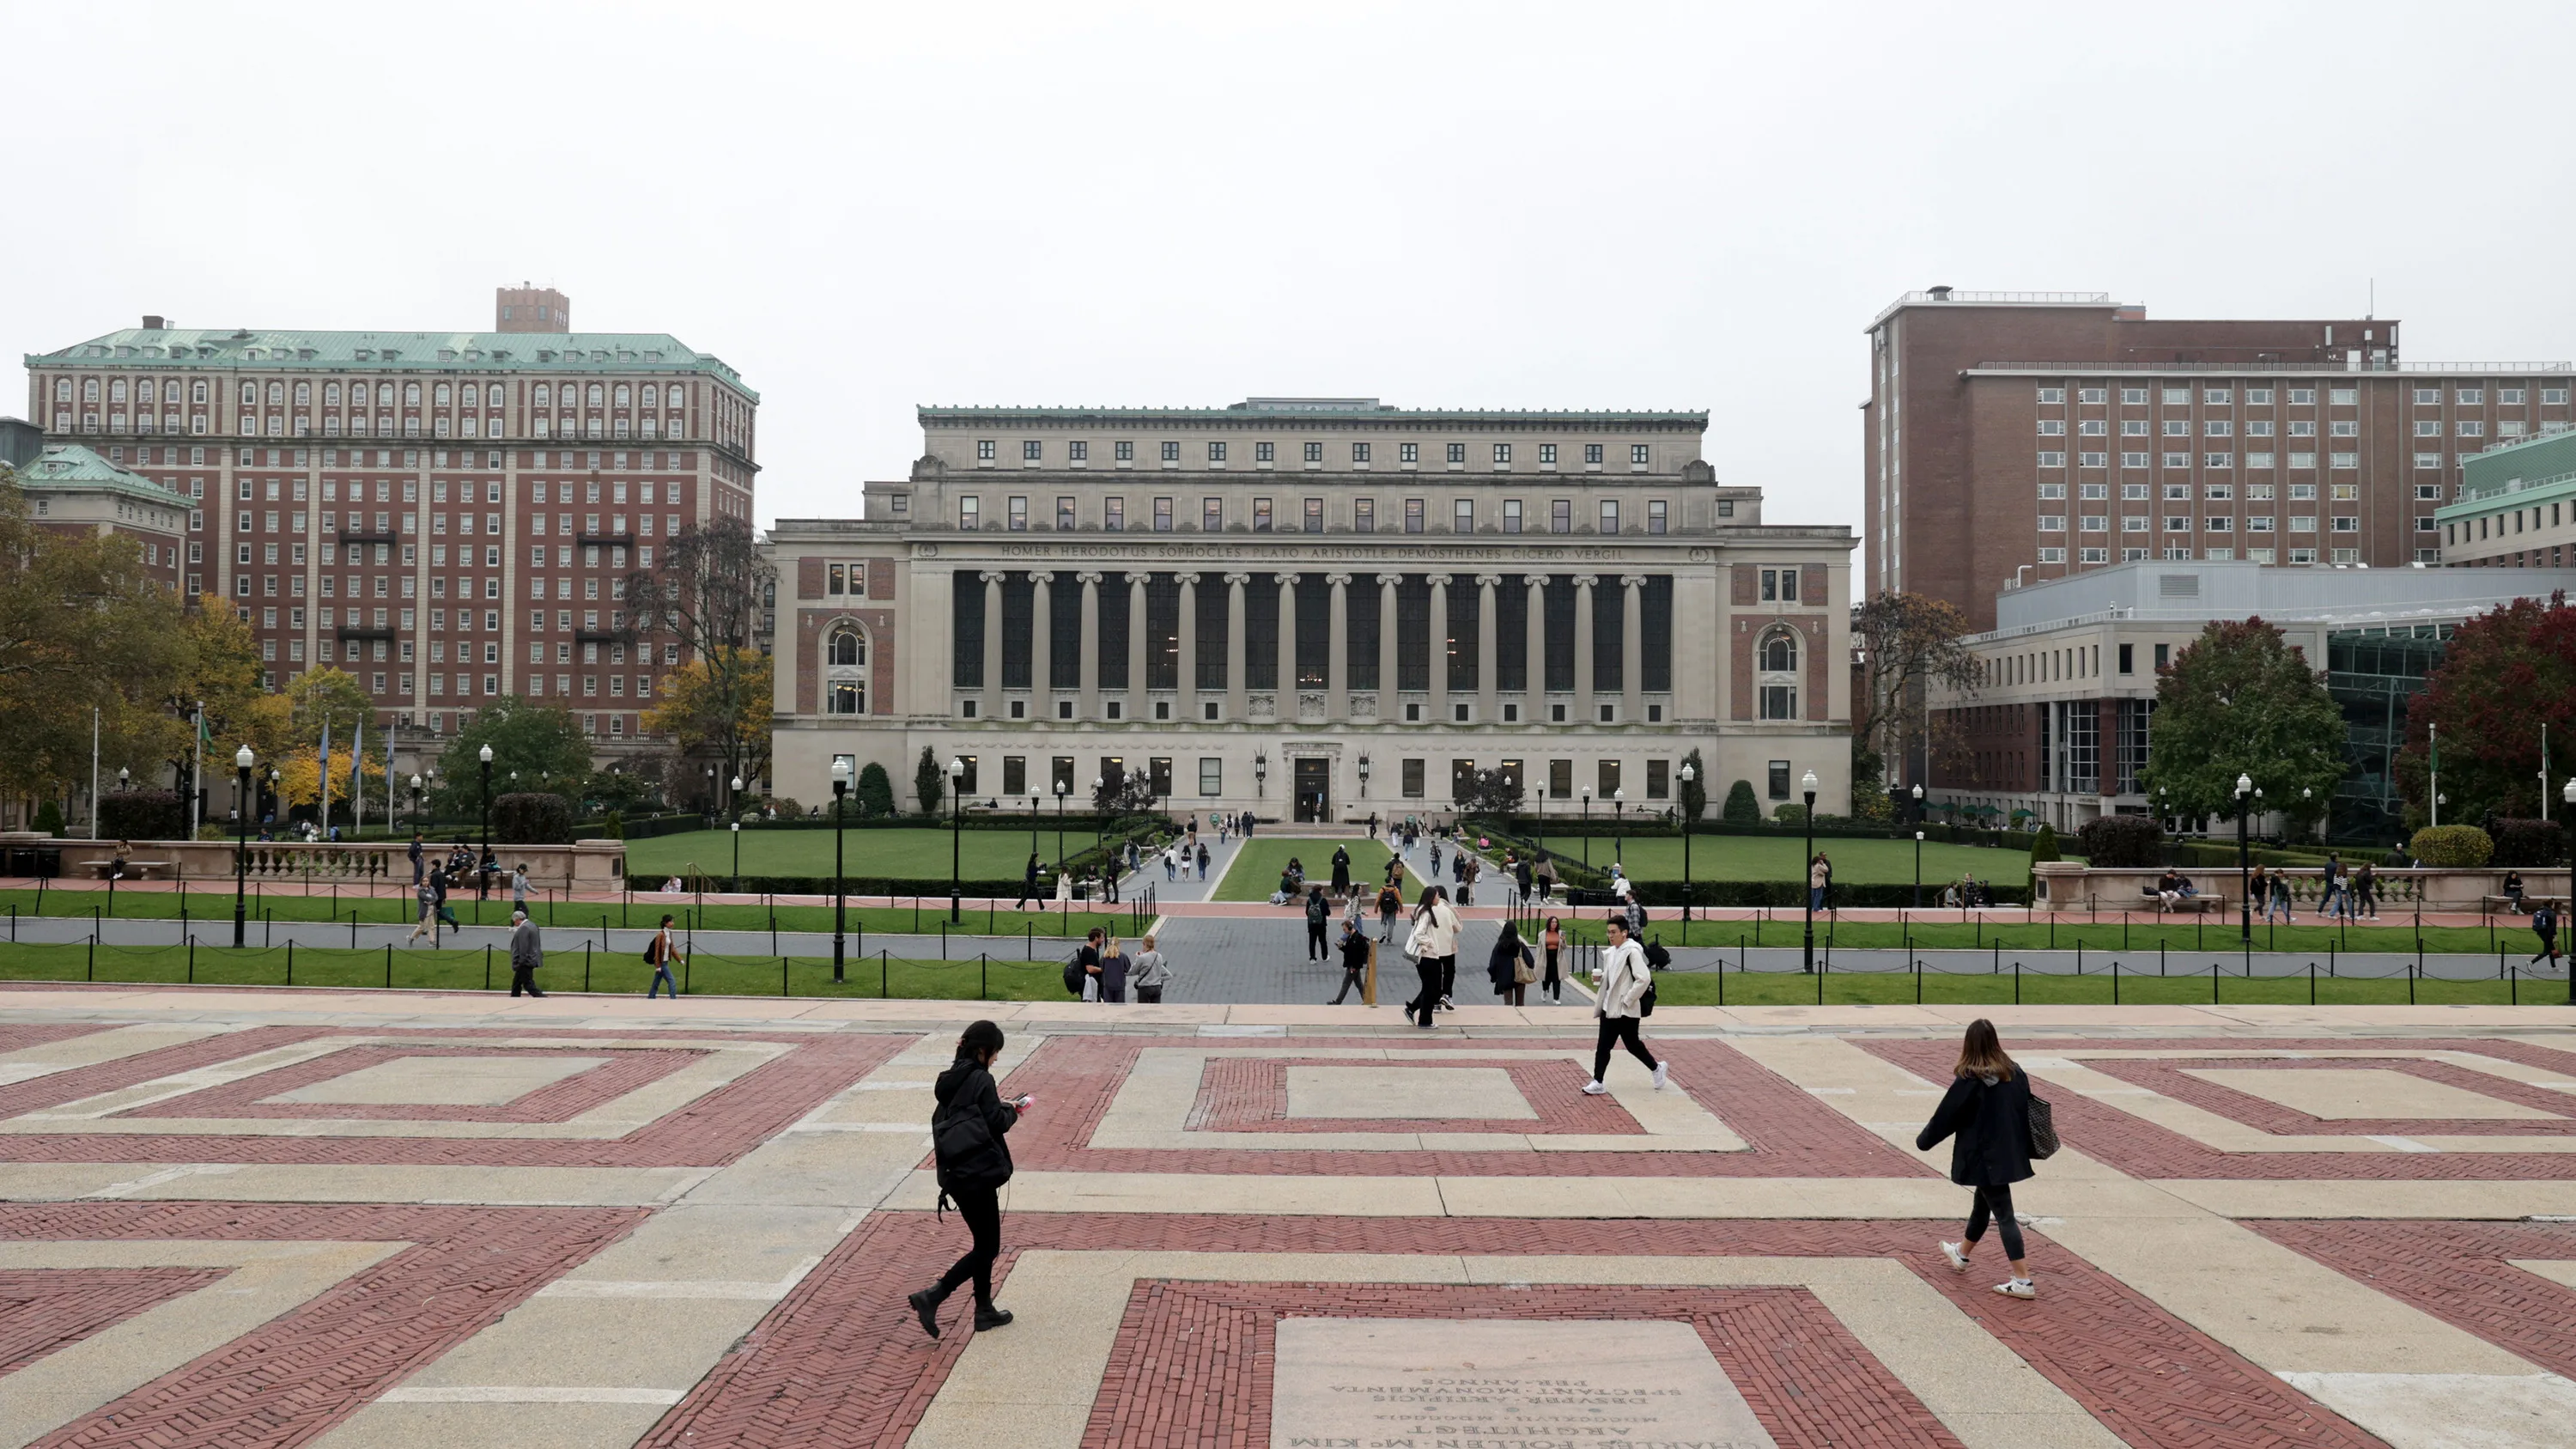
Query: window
[[1261, 517], [2133, 396], [1457, 454], [1215, 454], [1413, 515], [1412, 779], [2092, 394], [1609, 515], [1265, 452], [2258, 396], [969, 514], [2052, 394], [1511, 515], [845, 659], [1592, 453], [983, 446], [2096, 523], [1779, 779], [2052, 490], [1113, 515], [1656, 515], [1502, 455], [2052, 427], [1211, 775], [2052, 523], [1638, 455], [1364, 515], [1315, 453], [1172, 455], [1312, 512], [1019, 515], [1073, 453], [1547, 455], [1560, 515], [2052, 460], [1212, 515], [1408, 452], [2133, 460], [849, 579], [1360, 454], [1064, 513], [1162, 515], [1123, 452], [1462, 516]]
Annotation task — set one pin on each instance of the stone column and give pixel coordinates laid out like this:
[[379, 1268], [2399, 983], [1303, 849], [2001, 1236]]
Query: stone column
[[1632, 648], [1042, 646], [1387, 712], [1583, 649], [1439, 706], [992, 706], [1138, 642], [1238, 672], [1287, 642], [1489, 655], [1089, 647], [1337, 668], [1186, 706], [1534, 598]]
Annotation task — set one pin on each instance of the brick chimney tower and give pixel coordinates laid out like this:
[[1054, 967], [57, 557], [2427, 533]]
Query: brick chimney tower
[[530, 308]]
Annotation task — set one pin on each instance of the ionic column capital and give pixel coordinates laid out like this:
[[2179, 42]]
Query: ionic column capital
[[992, 576], [1087, 578], [1337, 580], [1389, 580]]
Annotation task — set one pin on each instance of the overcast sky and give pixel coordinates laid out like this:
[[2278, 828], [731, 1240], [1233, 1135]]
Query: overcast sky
[[865, 208]]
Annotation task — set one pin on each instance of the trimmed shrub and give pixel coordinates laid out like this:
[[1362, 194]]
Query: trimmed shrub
[[142, 815], [49, 819], [2123, 842], [1792, 813], [532, 817], [614, 827], [2463, 847], [785, 805], [2529, 842], [2043, 846], [876, 791], [1741, 807]]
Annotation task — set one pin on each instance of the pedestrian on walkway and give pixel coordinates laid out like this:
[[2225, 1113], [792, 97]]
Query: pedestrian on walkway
[[2365, 891], [527, 953], [1088, 958], [2280, 897], [966, 1131], [519, 888], [1510, 968], [661, 951], [1028, 884], [1355, 958], [1620, 1003], [1546, 881], [1389, 901], [1341, 871], [1986, 1114], [1521, 879], [2544, 924], [427, 890], [1819, 875], [415, 858], [2334, 898], [1552, 940], [1318, 916], [1171, 862], [1434, 949], [1114, 966], [1203, 860], [1474, 872], [1153, 973], [447, 913]]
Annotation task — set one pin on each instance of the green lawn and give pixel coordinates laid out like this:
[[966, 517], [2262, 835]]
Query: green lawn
[[641, 910], [902, 851], [1759, 857], [566, 970], [1255, 872], [1891, 988], [2200, 933]]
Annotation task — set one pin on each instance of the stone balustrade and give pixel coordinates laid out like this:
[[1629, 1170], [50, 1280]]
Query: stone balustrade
[[581, 866], [2061, 885]]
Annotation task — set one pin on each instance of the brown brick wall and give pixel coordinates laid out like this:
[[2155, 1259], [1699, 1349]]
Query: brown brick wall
[[1739, 671], [880, 578], [810, 629], [809, 578], [1817, 666], [1747, 584]]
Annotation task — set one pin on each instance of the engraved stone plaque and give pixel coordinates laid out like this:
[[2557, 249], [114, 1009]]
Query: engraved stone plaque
[[1389, 1383]]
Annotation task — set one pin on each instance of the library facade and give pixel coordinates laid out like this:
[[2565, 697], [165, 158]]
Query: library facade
[[1314, 609]]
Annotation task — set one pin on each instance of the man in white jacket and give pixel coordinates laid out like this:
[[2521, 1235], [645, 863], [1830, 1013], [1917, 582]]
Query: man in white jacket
[[1624, 979]]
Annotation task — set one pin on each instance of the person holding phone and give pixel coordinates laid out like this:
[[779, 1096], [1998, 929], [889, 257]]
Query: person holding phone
[[967, 1129]]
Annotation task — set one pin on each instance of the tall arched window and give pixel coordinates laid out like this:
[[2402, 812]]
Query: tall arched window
[[1777, 683], [845, 664]]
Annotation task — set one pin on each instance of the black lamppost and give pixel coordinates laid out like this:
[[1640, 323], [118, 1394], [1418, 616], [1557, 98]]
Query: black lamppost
[[1035, 796], [1099, 784], [1808, 784], [1918, 810], [1918, 868], [241, 845], [1063, 787], [737, 835], [1688, 775], [1586, 793], [957, 834], [840, 792], [415, 803], [1618, 829], [482, 864], [2244, 867], [432, 773], [2569, 795]]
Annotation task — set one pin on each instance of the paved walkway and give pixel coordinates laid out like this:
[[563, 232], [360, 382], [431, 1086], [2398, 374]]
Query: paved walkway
[[361, 1219]]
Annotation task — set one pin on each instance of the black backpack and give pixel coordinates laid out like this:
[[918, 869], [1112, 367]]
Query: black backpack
[[968, 1155], [1073, 976]]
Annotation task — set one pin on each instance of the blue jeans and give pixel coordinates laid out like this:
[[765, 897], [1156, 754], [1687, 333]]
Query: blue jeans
[[662, 978], [1815, 899]]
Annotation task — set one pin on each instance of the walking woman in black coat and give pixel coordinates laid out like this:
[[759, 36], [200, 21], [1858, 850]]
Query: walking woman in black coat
[[966, 1131], [1986, 1116]]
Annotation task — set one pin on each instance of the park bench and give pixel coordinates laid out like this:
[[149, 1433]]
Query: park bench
[[134, 869], [2489, 905], [2201, 904]]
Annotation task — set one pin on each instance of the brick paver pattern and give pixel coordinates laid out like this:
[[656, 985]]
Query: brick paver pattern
[[1250, 1094]]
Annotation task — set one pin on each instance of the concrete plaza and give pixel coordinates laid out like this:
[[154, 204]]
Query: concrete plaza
[[371, 1218]]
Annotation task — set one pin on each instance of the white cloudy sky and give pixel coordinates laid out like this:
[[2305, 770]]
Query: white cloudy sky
[[1499, 205]]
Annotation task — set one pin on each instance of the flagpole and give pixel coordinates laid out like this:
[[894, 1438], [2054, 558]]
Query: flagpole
[[358, 781], [197, 778], [93, 772], [2433, 777], [326, 779]]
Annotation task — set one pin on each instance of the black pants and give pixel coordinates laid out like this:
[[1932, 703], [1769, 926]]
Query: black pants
[[1448, 976], [1426, 1000], [1551, 984], [1618, 1031], [1998, 1201], [1316, 948], [524, 978], [2548, 946], [981, 1210], [1350, 983]]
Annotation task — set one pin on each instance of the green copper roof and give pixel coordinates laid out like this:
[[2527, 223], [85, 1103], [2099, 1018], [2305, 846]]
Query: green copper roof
[[433, 351], [1288, 412], [69, 465]]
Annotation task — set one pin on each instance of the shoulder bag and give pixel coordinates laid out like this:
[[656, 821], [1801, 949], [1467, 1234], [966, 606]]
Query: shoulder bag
[[2043, 1129]]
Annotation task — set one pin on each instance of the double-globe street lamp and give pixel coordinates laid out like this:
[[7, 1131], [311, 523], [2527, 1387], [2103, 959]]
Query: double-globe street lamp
[[242, 760], [483, 864], [957, 835], [1688, 775], [2244, 866], [737, 835]]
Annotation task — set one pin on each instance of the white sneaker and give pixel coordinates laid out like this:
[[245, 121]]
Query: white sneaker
[[1595, 1089], [1663, 1076], [1958, 1259], [2017, 1288]]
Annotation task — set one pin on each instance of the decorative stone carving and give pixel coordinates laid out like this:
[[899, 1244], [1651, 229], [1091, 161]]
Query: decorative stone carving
[[1363, 706], [1261, 706], [1310, 706]]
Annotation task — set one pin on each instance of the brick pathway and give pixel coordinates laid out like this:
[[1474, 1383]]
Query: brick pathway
[[696, 1227]]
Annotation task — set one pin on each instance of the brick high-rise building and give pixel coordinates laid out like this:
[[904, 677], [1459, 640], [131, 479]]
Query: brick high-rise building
[[2016, 436], [446, 516]]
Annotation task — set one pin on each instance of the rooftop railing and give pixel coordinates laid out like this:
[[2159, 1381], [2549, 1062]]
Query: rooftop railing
[[2321, 368]]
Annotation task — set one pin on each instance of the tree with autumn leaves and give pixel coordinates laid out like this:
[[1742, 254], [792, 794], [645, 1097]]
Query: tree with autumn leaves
[[2504, 676]]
